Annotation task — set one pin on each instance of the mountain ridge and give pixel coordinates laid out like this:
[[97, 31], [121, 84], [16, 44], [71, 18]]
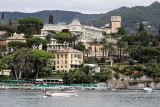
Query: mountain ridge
[[131, 17]]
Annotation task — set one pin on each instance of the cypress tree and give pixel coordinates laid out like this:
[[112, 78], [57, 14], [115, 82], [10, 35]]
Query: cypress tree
[[141, 28], [2, 16], [10, 22], [50, 20], [159, 30]]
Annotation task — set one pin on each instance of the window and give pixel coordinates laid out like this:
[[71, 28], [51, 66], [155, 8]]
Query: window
[[79, 56], [57, 66], [73, 28], [57, 62], [79, 62], [65, 61], [61, 62], [75, 55], [71, 61], [65, 66], [61, 66], [61, 55], [57, 56], [71, 56], [65, 56]]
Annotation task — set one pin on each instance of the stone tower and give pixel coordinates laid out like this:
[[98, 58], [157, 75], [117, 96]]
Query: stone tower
[[116, 23]]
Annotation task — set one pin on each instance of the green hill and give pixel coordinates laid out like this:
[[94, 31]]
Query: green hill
[[131, 17]]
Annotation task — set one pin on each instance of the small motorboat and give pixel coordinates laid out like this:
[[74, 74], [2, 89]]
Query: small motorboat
[[61, 93], [147, 89]]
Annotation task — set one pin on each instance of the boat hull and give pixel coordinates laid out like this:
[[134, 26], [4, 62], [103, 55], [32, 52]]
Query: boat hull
[[147, 90], [61, 94]]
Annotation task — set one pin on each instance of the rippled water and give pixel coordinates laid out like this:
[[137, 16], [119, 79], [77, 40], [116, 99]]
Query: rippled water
[[34, 98]]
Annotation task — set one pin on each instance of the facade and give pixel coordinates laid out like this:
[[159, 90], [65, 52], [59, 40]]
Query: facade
[[90, 32], [53, 46], [67, 59], [75, 27], [16, 37], [3, 42], [49, 81], [91, 49], [115, 24], [5, 72]]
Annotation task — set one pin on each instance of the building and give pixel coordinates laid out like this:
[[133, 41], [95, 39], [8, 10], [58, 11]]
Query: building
[[54, 46], [5, 72], [75, 27], [16, 37], [115, 24], [67, 59], [90, 32], [49, 81], [91, 49], [3, 43]]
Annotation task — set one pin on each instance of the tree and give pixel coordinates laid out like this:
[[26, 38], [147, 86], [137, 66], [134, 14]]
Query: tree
[[121, 31], [19, 60], [95, 43], [117, 76], [2, 16], [144, 37], [16, 44], [103, 42], [50, 20], [62, 37], [79, 46], [120, 45], [87, 51], [39, 57], [86, 69], [31, 30], [141, 28], [10, 22], [27, 22], [36, 42]]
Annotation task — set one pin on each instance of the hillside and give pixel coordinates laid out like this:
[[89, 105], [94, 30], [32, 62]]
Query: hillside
[[131, 17], [59, 16]]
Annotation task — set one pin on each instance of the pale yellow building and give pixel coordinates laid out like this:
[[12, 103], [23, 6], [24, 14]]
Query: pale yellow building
[[91, 49], [67, 59], [115, 24]]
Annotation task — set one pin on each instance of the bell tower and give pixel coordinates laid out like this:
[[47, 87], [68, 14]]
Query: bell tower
[[116, 23]]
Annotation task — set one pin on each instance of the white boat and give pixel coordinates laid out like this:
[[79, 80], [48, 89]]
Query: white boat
[[61, 93], [147, 89]]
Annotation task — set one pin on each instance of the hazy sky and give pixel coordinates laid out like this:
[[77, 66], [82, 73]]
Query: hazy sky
[[84, 6]]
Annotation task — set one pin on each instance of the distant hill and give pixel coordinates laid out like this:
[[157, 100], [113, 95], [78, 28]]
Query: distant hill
[[131, 17], [59, 16]]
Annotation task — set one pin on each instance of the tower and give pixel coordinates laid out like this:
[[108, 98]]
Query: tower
[[116, 23]]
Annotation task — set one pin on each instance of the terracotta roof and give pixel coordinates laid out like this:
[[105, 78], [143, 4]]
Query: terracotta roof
[[68, 50]]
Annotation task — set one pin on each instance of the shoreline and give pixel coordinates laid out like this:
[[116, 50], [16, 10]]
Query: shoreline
[[77, 88]]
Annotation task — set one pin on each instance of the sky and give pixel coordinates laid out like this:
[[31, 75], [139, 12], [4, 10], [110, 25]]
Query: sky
[[84, 6]]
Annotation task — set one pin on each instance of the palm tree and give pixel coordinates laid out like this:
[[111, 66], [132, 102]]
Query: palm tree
[[95, 43], [87, 52], [103, 43], [120, 45]]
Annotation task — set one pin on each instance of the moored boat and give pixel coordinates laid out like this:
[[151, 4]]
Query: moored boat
[[147, 89]]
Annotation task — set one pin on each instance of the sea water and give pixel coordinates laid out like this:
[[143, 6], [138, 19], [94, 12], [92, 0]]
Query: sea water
[[116, 98]]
